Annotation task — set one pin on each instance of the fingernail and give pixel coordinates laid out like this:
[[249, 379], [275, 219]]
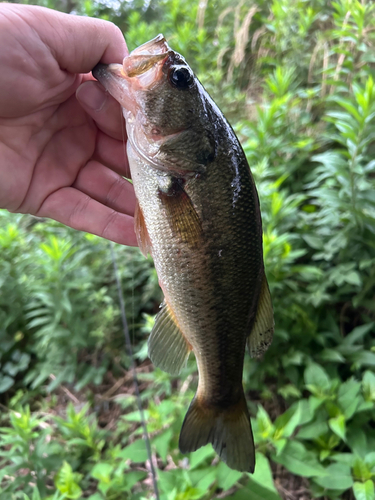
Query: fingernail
[[91, 95]]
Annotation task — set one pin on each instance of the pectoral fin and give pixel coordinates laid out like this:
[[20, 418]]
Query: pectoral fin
[[141, 232], [181, 213], [190, 150], [261, 335], [167, 347]]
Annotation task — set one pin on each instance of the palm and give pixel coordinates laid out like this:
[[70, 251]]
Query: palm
[[58, 150]]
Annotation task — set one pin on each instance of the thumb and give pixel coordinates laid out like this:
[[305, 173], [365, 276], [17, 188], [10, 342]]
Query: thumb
[[102, 107], [77, 43]]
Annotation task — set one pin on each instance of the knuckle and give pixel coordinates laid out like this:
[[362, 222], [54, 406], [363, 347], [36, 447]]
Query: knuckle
[[110, 222], [115, 191], [77, 217]]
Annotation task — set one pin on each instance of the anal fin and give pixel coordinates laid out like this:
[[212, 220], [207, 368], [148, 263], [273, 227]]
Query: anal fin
[[261, 335], [168, 349]]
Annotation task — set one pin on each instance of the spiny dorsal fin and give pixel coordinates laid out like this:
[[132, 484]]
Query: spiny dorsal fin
[[143, 238], [261, 335], [167, 347]]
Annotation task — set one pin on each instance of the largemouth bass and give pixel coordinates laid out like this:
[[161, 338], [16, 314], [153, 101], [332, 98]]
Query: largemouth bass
[[198, 216]]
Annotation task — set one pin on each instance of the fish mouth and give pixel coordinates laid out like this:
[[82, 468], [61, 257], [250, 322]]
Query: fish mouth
[[140, 70]]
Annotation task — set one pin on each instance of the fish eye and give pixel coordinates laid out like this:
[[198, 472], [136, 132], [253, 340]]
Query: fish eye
[[181, 77]]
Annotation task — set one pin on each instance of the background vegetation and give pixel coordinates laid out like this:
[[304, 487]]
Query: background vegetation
[[296, 80]]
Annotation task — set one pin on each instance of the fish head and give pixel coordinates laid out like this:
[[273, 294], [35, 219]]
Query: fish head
[[164, 105]]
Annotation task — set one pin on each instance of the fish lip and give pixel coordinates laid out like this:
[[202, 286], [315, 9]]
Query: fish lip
[[149, 56], [136, 65], [157, 45], [114, 80]]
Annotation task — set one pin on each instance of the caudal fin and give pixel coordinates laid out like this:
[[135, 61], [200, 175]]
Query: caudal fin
[[228, 430]]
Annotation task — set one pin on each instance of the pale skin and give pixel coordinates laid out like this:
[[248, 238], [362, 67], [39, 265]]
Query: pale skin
[[62, 137]]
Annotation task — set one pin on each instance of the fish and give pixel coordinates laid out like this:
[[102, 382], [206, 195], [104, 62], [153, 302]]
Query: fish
[[198, 216]]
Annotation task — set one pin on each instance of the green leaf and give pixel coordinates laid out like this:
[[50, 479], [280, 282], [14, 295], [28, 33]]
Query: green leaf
[[338, 426], [368, 383], [226, 477], [137, 451], [357, 440], [363, 358], [263, 472], [286, 423], [350, 108], [5, 383], [133, 478], [202, 479], [299, 461], [347, 397], [364, 491], [265, 426], [254, 491], [370, 459], [11, 368], [135, 416], [353, 278], [313, 241], [331, 355], [316, 376], [199, 456], [361, 470], [338, 477], [102, 472], [36, 494], [289, 391], [307, 413], [279, 444], [161, 442], [344, 458], [170, 479], [313, 430], [66, 481], [358, 333]]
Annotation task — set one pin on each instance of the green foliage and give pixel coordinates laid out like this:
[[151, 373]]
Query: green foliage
[[296, 80], [66, 482], [58, 299], [26, 447]]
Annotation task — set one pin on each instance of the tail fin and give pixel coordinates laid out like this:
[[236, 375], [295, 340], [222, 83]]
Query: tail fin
[[228, 430]]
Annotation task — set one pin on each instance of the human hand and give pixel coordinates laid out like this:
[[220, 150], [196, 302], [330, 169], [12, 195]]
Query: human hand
[[62, 153]]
